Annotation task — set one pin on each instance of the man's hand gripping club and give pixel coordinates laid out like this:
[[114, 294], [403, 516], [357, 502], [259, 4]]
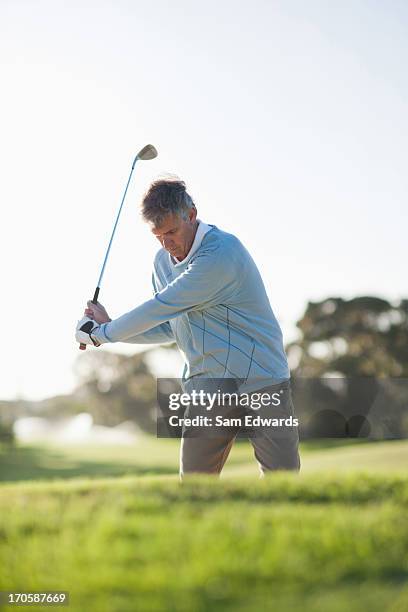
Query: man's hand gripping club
[[95, 315]]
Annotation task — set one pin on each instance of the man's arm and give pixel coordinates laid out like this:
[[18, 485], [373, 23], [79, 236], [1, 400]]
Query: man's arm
[[209, 279], [156, 335]]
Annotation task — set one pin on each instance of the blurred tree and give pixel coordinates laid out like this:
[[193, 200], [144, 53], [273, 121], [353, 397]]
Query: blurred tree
[[365, 336], [6, 434], [365, 341], [116, 388]]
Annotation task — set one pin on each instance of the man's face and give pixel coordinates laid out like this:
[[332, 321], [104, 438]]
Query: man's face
[[176, 234]]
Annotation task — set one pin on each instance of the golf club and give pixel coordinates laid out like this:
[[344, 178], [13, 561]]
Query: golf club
[[148, 152]]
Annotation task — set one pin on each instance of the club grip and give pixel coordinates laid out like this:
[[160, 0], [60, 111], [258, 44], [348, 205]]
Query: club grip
[[82, 347]]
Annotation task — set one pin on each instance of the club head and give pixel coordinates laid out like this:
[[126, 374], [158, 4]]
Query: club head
[[148, 152]]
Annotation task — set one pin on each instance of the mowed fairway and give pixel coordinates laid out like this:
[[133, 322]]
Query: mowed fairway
[[319, 541]]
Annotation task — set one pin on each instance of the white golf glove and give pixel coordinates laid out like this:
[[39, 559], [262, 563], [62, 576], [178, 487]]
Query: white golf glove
[[84, 330]]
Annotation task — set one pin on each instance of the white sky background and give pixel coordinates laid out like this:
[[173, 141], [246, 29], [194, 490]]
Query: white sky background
[[288, 121]]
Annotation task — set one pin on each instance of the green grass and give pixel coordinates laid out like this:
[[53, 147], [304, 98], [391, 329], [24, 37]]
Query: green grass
[[286, 543], [150, 456], [327, 540]]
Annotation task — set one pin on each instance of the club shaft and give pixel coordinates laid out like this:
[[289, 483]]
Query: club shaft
[[143, 151], [96, 294], [114, 227]]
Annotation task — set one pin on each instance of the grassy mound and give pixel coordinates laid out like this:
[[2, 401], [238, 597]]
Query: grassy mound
[[289, 542]]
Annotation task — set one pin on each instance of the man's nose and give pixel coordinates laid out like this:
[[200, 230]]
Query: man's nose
[[167, 243]]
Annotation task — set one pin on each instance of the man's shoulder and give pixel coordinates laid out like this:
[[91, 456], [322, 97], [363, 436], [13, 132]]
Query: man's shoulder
[[220, 240], [226, 247]]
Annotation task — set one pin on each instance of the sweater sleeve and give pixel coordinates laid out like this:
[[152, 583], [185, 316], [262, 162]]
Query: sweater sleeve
[[159, 334], [156, 335], [209, 279]]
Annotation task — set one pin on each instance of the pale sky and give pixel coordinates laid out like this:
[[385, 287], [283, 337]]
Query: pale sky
[[287, 120]]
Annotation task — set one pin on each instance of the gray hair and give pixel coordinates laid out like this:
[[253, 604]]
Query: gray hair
[[164, 197]]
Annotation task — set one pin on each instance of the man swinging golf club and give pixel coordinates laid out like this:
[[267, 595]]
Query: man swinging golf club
[[210, 299]]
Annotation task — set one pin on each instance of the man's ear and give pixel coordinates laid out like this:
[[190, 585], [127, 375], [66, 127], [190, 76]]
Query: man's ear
[[192, 215]]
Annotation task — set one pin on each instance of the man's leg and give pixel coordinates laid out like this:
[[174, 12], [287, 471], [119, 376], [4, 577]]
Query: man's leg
[[204, 450], [273, 454], [204, 455], [277, 448]]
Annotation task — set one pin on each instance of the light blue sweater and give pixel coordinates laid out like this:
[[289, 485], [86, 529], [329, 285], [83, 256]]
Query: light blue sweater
[[214, 306]]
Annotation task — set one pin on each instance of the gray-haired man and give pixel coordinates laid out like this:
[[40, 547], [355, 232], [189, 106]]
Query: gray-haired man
[[210, 299]]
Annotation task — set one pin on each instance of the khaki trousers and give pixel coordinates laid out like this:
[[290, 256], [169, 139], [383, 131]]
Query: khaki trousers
[[273, 449]]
